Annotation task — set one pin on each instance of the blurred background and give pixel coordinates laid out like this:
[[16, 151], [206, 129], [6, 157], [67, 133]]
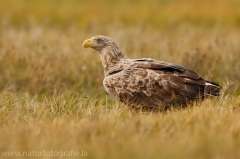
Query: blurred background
[[167, 14], [40, 41]]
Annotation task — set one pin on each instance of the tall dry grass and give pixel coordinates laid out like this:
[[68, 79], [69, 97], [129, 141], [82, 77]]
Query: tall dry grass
[[43, 60]]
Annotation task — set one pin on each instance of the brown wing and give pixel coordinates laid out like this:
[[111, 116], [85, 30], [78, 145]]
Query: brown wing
[[151, 86]]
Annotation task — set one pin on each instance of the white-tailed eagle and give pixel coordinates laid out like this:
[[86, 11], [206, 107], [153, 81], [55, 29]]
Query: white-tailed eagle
[[146, 83]]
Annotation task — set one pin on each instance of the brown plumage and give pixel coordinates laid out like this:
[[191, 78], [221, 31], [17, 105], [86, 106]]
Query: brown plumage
[[147, 83]]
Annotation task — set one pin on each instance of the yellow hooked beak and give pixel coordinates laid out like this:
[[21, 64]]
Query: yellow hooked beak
[[89, 43]]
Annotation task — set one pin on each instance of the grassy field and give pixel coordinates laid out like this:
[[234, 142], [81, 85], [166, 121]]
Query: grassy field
[[51, 94]]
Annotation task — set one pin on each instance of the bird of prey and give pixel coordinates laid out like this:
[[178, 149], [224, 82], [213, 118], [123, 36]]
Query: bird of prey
[[145, 83]]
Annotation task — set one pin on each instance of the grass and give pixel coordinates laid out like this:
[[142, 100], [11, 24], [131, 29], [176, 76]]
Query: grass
[[106, 129], [51, 93]]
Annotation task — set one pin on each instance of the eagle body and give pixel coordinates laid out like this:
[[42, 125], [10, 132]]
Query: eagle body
[[147, 83]]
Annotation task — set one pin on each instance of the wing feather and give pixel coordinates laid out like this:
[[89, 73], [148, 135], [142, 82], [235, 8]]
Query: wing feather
[[147, 87]]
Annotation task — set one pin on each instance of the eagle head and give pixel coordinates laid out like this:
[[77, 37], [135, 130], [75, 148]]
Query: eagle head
[[99, 42]]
